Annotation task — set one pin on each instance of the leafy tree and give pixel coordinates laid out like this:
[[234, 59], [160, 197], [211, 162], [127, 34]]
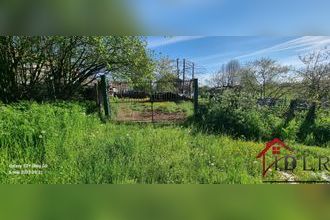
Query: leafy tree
[[63, 65], [22, 66]]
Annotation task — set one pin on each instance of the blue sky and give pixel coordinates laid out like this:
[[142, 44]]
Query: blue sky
[[213, 51], [232, 17]]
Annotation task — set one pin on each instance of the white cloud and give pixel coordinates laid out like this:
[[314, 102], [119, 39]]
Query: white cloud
[[301, 44], [298, 45], [171, 40]]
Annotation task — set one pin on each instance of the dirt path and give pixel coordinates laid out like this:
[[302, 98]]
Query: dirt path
[[129, 115]]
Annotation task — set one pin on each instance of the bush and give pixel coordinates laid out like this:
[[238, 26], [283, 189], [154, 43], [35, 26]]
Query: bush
[[237, 114], [321, 134]]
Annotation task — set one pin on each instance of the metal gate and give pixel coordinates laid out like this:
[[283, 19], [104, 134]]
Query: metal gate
[[151, 101]]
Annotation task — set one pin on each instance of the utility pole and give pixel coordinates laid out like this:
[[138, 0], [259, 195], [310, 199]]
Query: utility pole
[[184, 69], [193, 70], [183, 74], [177, 68]]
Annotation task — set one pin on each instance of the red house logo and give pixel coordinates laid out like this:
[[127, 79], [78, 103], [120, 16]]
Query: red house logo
[[276, 145]]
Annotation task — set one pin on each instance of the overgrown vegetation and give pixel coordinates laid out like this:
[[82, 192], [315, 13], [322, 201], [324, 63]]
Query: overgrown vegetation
[[78, 148], [58, 67], [237, 114], [263, 99], [245, 106]]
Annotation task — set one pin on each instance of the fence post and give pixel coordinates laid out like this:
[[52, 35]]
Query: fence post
[[195, 96], [152, 102], [104, 87], [97, 98]]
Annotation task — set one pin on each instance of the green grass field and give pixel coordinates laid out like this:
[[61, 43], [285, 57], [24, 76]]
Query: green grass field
[[79, 148]]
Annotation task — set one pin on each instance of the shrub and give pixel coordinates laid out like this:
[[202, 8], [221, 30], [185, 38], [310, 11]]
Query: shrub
[[237, 114], [322, 134]]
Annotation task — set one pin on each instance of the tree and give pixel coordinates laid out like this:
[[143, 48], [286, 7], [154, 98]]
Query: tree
[[249, 82], [228, 75], [63, 65], [166, 75], [75, 61], [22, 66], [315, 74], [262, 75], [232, 71]]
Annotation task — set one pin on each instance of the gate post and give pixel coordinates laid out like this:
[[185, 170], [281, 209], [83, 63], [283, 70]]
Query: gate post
[[195, 84], [152, 102], [104, 87], [97, 98]]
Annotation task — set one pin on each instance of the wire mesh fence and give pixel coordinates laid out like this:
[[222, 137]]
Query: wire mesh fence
[[151, 101]]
